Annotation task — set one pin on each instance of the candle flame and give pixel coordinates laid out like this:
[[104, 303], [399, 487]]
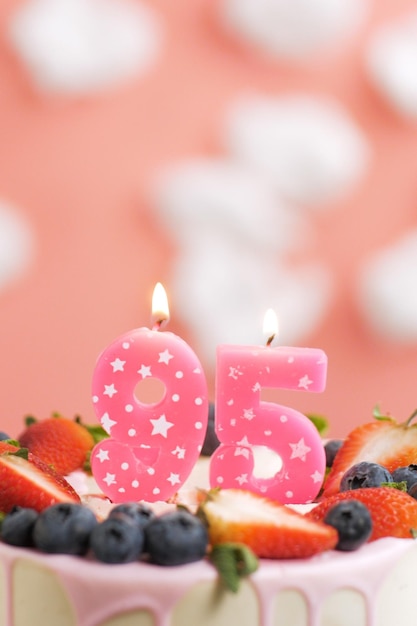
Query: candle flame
[[270, 327], [160, 308]]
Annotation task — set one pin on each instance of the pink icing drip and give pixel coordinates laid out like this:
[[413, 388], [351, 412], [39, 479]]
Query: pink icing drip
[[120, 588]]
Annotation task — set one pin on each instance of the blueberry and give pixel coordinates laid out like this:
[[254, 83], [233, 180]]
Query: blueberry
[[176, 538], [140, 513], [331, 448], [353, 522], [4, 436], [365, 474], [64, 528], [211, 441], [407, 474], [118, 539], [17, 526]]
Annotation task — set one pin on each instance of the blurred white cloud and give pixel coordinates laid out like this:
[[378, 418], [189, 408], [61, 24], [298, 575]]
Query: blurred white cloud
[[80, 46]]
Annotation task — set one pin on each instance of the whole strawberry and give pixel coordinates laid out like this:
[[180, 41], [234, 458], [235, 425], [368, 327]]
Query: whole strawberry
[[393, 512], [62, 443]]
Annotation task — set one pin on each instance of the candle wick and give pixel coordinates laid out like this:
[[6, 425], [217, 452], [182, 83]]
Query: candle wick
[[159, 323], [270, 340]]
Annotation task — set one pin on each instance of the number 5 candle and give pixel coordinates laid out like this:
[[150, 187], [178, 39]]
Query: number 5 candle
[[244, 421], [152, 447]]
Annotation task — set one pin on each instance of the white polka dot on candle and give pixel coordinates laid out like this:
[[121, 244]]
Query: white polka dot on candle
[[283, 419], [198, 401], [131, 432], [121, 490], [150, 471], [289, 494], [129, 408], [175, 397], [135, 483], [125, 466], [220, 479], [156, 491], [125, 345], [179, 374], [198, 425], [95, 399]]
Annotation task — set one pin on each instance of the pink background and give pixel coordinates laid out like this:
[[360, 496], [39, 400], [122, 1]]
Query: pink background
[[79, 168]]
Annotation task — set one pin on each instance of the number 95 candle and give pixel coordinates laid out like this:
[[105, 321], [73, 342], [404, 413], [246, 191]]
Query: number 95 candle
[[152, 447]]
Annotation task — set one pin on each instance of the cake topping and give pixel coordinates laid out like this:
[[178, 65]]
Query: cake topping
[[383, 441], [270, 529], [393, 512], [63, 443], [353, 523]]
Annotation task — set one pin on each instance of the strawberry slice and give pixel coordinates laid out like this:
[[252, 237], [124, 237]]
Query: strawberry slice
[[393, 512], [270, 529], [28, 482], [385, 442]]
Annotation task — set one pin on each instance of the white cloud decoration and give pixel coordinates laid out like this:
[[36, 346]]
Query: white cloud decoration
[[17, 244], [232, 235], [388, 290], [81, 46], [293, 29], [308, 147], [391, 60]]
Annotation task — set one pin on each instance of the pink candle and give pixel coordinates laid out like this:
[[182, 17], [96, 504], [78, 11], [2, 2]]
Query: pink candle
[[243, 420], [152, 447]]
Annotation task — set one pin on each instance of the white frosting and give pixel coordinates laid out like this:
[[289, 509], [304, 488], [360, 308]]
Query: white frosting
[[80, 46]]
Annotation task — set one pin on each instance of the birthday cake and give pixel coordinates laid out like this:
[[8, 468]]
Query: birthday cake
[[373, 585]]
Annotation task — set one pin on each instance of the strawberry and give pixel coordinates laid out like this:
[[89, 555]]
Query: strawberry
[[60, 442], [29, 482], [385, 442], [271, 530], [393, 512]]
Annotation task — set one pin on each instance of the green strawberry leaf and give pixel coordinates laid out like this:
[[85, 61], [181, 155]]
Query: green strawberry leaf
[[380, 416], [29, 420], [233, 561], [401, 486], [320, 422]]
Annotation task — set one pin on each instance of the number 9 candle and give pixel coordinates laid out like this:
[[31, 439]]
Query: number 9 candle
[[152, 447], [244, 421]]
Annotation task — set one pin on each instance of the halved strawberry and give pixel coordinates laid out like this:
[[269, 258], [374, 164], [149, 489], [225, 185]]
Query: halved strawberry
[[62, 443], [28, 482], [270, 529], [393, 512], [385, 442]]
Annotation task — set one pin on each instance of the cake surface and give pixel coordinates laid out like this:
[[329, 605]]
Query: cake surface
[[374, 586], [365, 587]]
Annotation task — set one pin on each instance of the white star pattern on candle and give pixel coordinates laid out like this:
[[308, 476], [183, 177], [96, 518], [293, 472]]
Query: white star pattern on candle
[[304, 382], [256, 387], [145, 370], [103, 455], [243, 442], [299, 450], [165, 357], [110, 479], [161, 426], [245, 452], [248, 414], [242, 479], [174, 479], [179, 452], [234, 373], [109, 390], [118, 365], [317, 477], [107, 422]]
